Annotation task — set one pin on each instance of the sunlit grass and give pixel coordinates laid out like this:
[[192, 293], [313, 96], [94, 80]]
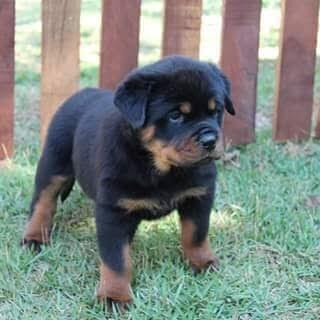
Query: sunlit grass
[[265, 234]]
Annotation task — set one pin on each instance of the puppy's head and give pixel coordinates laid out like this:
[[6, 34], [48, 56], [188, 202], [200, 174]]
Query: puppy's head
[[177, 107]]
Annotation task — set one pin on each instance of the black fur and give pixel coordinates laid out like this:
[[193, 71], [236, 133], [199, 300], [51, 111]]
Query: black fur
[[95, 138]]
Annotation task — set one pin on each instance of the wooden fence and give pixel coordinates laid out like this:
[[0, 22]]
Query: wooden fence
[[182, 22]]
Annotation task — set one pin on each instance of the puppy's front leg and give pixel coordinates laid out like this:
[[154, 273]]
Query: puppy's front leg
[[194, 219], [114, 232]]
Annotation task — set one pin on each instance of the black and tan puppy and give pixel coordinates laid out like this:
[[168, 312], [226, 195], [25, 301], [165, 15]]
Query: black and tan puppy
[[139, 153]]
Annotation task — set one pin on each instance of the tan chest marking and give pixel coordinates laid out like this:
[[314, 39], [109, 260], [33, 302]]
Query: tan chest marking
[[195, 192], [139, 204], [153, 204]]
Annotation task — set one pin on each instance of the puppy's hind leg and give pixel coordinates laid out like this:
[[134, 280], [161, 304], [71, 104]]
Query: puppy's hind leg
[[55, 174], [51, 180]]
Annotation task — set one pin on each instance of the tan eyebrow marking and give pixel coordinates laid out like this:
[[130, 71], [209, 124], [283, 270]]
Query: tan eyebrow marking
[[211, 104], [185, 107]]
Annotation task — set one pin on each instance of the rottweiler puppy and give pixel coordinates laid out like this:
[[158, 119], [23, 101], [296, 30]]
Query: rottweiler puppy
[[138, 153]]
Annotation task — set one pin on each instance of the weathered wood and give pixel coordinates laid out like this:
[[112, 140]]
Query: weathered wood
[[60, 55], [182, 24], [317, 129], [296, 67], [119, 40], [239, 60], [7, 23]]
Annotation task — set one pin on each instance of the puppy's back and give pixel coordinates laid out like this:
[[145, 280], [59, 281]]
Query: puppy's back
[[58, 148], [65, 121]]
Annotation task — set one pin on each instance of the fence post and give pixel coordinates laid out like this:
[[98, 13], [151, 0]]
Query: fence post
[[7, 23], [119, 40], [182, 26], [239, 60], [296, 67], [60, 56], [317, 129]]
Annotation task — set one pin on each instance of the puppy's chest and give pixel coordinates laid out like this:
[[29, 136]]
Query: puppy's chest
[[159, 202]]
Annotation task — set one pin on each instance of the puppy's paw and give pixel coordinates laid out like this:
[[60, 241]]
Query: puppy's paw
[[211, 265], [114, 294], [31, 244], [120, 306], [111, 304]]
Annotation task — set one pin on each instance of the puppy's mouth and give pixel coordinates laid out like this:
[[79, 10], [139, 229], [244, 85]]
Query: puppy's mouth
[[186, 162], [205, 160], [179, 152], [191, 153]]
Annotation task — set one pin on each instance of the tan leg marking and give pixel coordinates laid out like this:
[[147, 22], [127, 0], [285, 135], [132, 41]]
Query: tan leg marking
[[200, 256], [114, 285], [40, 223]]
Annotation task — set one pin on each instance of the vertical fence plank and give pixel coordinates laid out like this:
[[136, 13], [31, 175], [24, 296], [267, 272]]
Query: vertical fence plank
[[182, 26], [239, 60], [60, 55], [317, 129], [296, 67], [119, 40], [7, 22]]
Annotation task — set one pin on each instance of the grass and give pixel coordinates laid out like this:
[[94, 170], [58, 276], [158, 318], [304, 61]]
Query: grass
[[265, 226]]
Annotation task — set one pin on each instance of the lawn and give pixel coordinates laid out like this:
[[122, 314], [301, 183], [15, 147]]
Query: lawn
[[265, 225]]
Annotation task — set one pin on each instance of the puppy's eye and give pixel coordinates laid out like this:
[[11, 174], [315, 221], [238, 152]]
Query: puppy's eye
[[215, 112], [176, 117]]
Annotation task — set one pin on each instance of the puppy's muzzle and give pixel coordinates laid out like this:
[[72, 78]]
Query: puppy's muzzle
[[207, 139]]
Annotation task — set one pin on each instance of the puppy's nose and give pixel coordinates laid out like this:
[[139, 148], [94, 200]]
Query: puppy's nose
[[208, 140]]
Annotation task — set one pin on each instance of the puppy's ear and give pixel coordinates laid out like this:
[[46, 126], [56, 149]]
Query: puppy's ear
[[227, 90], [131, 98], [227, 100]]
